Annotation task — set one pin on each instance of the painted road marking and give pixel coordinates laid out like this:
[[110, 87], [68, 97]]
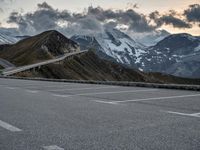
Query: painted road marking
[[58, 95], [148, 99], [42, 86], [31, 91], [9, 127], [99, 93], [104, 102], [184, 114], [198, 114], [11, 88], [53, 147], [77, 89], [60, 86]]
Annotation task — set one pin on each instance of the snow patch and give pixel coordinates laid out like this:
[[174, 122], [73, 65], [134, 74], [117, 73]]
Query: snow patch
[[197, 48]]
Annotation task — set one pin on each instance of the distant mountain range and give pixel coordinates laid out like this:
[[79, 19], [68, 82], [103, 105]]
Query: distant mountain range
[[176, 54], [7, 39], [10, 36], [150, 38]]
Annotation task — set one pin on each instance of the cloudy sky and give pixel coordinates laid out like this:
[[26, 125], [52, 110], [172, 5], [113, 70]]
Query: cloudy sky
[[71, 16]]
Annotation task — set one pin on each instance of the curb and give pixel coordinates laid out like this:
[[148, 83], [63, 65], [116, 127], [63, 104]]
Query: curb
[[118, 83]]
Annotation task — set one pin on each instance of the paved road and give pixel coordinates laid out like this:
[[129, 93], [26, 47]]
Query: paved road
[[12, 71], [36, 115]]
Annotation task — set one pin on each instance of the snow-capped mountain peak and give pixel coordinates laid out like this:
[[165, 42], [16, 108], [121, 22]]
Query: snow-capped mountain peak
[[120, 46], [115, 44]]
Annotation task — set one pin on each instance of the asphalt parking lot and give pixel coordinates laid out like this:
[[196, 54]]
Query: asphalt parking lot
[[69, 116]]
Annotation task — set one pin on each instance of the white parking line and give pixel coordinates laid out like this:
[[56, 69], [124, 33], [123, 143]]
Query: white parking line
[[44, 86], [58, 95], [198, 114], [31, 91], [104, 102], [78, 89], [9, 127], [184, 114], [148, 99], [53, 147], [100, 93], [60, 86], [11, 88]]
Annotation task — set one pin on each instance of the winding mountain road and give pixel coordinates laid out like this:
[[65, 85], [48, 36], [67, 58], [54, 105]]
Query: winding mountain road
[[12, 71]]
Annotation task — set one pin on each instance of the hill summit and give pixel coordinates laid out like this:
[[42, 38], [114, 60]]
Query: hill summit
[[46, 45]]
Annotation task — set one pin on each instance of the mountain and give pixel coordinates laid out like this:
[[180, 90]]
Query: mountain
[[87, 42], [177, 54], [89, 66], [150, 38], [21, 37], [115, 44], [10, 36], [7, 39], [46, 45]]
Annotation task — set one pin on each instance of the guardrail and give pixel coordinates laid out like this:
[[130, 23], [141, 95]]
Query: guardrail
[[117, 83], [27, 67]]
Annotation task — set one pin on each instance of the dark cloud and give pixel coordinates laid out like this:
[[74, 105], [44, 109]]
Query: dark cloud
[[17, 18], [44, 18], [134, 20], [89, 23], [94, 20], [169, 19], [175, 22], [193, 13], [154, 15], [44, 5], [132, 5]]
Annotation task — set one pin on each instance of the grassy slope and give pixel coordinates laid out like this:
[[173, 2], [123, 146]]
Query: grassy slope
[[1, 67], [90, 67], [24, 52], [46, 45]]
